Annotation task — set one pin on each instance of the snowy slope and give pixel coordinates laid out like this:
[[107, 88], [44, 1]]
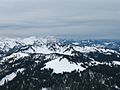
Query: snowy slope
[[63, 65]]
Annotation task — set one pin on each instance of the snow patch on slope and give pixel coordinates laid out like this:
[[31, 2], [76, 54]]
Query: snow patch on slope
[[10, 77], [7, 78], [44, 89], [16, 56], [60, 66], [116, 62]]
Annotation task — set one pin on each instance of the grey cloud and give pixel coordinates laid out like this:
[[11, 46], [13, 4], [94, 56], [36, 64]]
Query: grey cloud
[[84, 18]]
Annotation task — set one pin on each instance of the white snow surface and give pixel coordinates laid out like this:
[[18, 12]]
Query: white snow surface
[[20, 70], [10, 77], [116, 62], [7, 78], [43, 49], [16, 56], [44, 89], [85, 49], [60, 66], [7, 43], [88, 49]]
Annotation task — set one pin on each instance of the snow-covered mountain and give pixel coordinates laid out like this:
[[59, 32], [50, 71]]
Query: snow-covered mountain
[[34, 57]]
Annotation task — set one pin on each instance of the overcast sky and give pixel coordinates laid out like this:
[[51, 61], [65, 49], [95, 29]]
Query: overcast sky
[[82, 18]]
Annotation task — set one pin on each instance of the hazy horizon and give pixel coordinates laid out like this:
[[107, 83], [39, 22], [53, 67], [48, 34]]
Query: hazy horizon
[[85, 19]]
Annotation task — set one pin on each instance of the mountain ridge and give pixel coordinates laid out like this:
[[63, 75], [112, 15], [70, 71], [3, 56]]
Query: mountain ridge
[[20, 57]]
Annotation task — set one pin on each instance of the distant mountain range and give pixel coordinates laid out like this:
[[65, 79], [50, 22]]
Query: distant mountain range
[[59, 64]]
